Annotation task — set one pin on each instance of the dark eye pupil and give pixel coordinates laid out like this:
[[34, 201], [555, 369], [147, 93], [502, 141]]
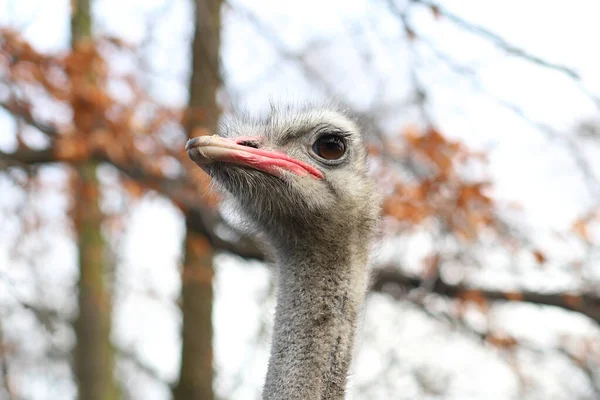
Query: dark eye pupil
[[329, 147]]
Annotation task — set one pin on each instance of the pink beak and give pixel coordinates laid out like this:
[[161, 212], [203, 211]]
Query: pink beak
[[205, 150]]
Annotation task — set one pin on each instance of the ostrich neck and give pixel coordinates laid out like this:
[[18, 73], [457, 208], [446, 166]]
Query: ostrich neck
[[322, 284]]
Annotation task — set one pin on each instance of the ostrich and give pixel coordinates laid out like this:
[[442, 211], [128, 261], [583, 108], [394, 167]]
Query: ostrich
[[298, 177]]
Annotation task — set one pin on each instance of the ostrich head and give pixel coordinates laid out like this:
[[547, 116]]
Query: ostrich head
[[299, 177], [293, 172]]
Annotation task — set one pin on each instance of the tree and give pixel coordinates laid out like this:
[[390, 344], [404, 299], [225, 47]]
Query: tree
[[436, 195], [93, 352], [195, 376]]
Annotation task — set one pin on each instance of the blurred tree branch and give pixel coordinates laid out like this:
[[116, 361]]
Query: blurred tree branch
[[495, 39], [508, 345], [6, 386], [390, 279], [132, 357], [204, 223]]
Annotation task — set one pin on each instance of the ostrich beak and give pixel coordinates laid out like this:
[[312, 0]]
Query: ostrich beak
[[204, 150]]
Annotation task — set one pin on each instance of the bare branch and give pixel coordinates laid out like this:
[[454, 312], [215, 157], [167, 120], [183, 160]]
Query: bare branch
[[21, 111], [498, 41], [27, 157], [590, 179], [204, 221], [129, 355], [507, 343], [385, 279], [4, 368]]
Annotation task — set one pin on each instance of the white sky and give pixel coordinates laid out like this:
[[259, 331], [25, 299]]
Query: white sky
[[525, 166]]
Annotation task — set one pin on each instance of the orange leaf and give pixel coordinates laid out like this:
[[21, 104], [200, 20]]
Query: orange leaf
[[539, 256], [373, 150], [572, 300], [501, 341], [432, 264], [580, 228], [475, 296], [514, 296], [71, 148], [134, 189]]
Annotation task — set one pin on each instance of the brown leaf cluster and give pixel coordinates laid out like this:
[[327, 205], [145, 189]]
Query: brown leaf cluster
[[124, 125], [582, 226], [440, 191], [128, 131], [502, 341]]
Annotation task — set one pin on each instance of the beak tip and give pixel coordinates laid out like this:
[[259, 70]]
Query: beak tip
[[191, 143]]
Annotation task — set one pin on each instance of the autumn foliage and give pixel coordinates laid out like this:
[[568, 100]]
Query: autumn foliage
[[125, 127], [438, 189], [109, 117], [87, 107]]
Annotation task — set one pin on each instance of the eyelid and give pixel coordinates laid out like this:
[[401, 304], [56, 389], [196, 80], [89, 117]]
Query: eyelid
[[328, 131]]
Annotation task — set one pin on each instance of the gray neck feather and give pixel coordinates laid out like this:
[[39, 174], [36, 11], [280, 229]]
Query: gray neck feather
[[321, 287]]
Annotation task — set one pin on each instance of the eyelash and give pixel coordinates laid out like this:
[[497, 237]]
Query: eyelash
[[342, 134]]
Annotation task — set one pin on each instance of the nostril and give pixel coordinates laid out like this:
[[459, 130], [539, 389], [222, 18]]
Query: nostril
[[248, 143]]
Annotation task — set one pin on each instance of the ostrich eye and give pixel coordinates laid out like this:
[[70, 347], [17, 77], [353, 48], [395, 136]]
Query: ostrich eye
[[329, 147]]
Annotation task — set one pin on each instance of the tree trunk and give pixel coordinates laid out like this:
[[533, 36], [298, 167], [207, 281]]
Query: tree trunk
[[196, 373], [93, 352]]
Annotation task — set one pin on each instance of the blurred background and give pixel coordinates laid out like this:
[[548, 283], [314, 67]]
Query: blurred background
[[120, 278]]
